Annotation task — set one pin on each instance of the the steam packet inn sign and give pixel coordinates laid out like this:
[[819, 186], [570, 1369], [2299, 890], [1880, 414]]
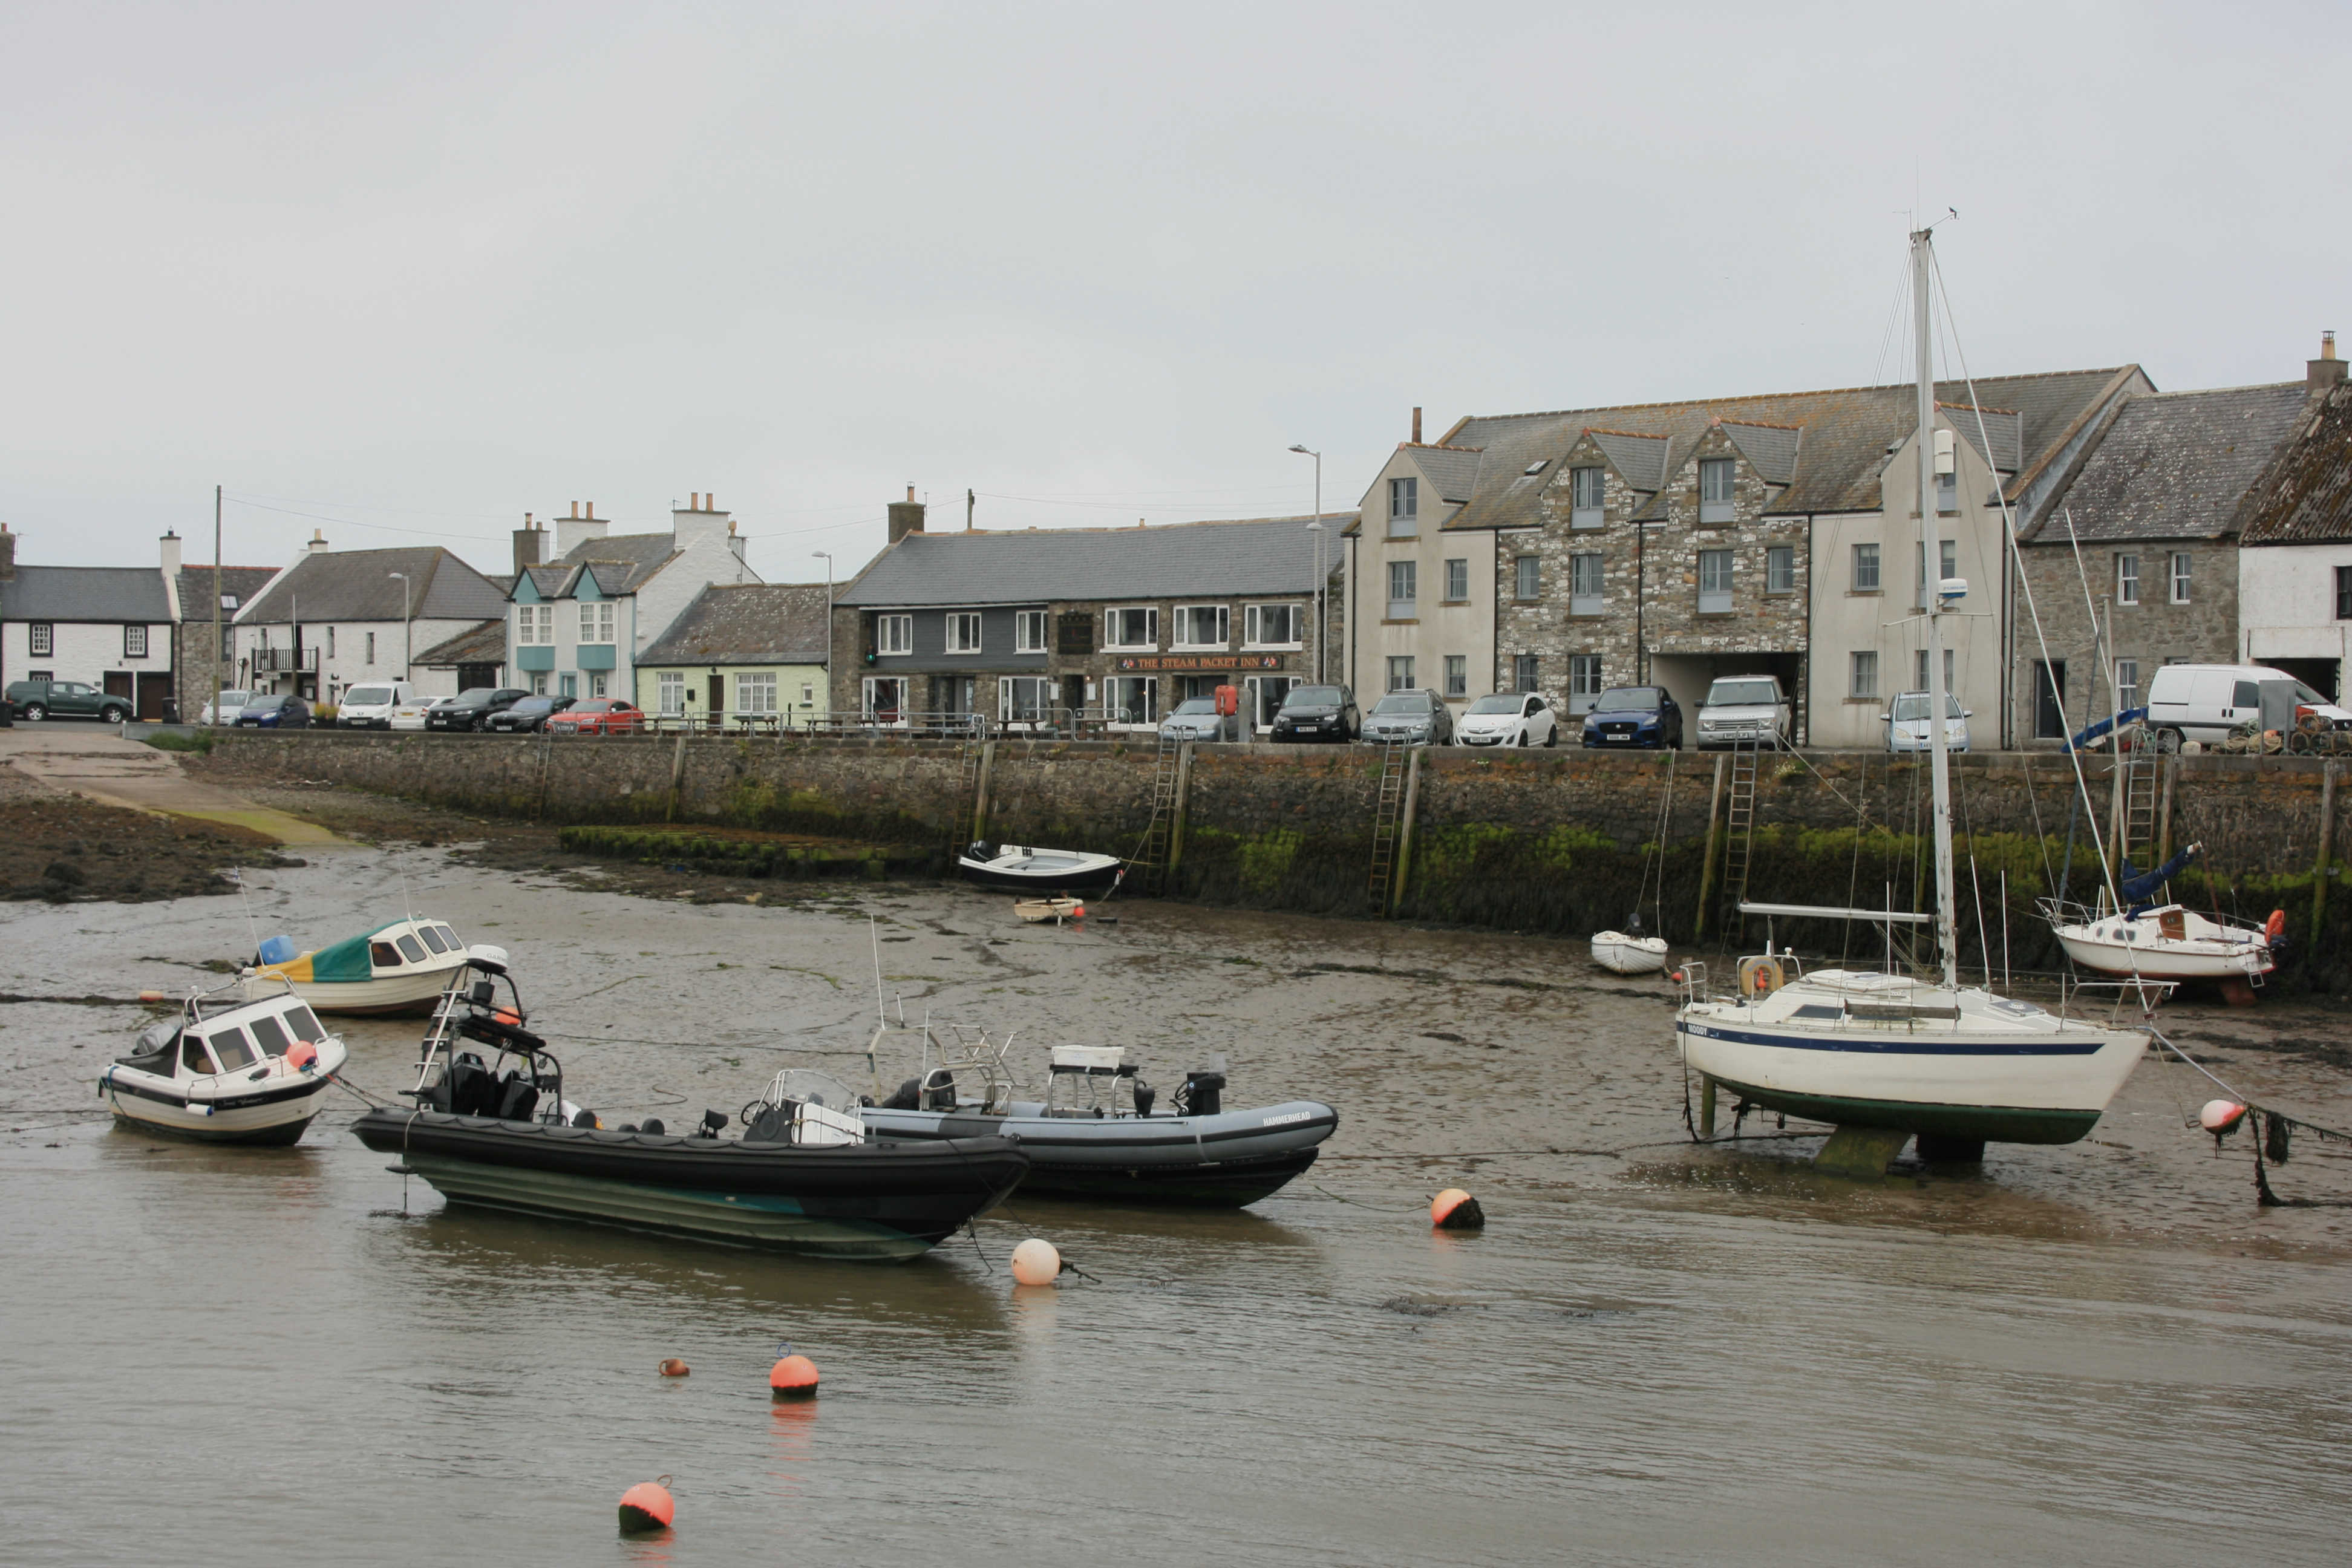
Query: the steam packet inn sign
[[1041, 627]]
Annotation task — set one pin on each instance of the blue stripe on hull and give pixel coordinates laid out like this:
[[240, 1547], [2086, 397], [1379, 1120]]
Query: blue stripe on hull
[[1908, 1046]]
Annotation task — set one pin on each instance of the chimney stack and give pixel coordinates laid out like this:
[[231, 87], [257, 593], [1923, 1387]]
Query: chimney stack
[[906, 516], [530, 545], [317, 541], [7, 554], [582, 527], [2326, 371], [171, 553], [1416, 426]]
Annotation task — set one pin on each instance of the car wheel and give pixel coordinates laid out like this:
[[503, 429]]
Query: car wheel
[[111, 715], [1552, 739], [1523, 737], [2168, 741], [35, 712]]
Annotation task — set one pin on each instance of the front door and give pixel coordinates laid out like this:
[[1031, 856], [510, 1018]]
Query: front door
[[155, 690], [2050, 700], [718, 706], [118, 684]]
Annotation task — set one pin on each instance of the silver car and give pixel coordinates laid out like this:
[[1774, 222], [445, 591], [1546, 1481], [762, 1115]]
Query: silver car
[[1744, 710], [1194, 719], [1906, 722]]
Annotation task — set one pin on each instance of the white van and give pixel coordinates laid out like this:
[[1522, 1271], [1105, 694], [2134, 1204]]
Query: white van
[[368, 705], [2206, 701]]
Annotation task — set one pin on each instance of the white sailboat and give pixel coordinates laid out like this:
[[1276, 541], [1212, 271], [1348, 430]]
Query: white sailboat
[[1884, 1056]]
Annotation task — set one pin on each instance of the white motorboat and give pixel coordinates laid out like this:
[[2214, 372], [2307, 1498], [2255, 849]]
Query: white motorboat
[[1626, 953], [401, 967], [2167, 942], [1884, 1057], [226, 1069], [1036, 870]]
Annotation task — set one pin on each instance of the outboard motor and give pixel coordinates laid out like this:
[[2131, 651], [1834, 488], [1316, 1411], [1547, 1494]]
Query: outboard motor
[[1202, 1094], [908, 1096], [939, 1090], [981, 849]]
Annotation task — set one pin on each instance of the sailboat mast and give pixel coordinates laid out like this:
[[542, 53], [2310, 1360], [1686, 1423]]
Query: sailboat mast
[[1931, 562]]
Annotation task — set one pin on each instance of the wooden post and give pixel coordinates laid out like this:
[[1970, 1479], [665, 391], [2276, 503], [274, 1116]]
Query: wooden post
[[2326, 852], [1404, 828], [1706, 861], [676, 777], [2115, 810], [1178, 809], [2164, 812], [979, 794]]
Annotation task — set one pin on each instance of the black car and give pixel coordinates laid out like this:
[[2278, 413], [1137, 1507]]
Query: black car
[[1412, 717], [529, 715], [471, 710], [1317, 713], [1634, 716], [269, 710]]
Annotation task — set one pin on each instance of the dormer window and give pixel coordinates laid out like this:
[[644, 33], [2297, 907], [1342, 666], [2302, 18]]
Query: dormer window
[[1714, 491], [1404, 508], [1585, 492]]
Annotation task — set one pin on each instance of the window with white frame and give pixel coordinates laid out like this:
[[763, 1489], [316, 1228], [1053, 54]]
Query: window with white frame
[[964, 631], [331, 641], [1584, 584], [41, 639], [1527, 577], [1865, 569], [808, 694], [1272, 625], [1525, 669], [1457, 581], [894, 634], [1585, 492], [755, 691], [1716, 492], [2179, 576], [2126, 684], [2127, 579], [1947, 492], [1404, 508], [595, 620], [1458, 675], [1023, 699], [669, 693], [1132, 699], [1863, 679], [1403, 589], [534, 625], [1919, 668], [886, 698], [596, 679], [1401, 673], [538, 683], [1203, 626], [1780, 569], [134, 641], [1714, 581], [1131, 627], [1583, 681], [1029, 631]]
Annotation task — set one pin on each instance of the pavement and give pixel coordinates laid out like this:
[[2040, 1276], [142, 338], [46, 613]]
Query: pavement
[[95, 761]]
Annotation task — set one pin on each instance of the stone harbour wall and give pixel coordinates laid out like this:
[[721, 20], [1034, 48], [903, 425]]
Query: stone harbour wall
[[1564, 841]]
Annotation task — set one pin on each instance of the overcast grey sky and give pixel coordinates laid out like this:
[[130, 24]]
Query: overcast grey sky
[[425, 269]]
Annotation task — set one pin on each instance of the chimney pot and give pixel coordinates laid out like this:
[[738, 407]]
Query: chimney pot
[[1416, 425], [2326, 371]]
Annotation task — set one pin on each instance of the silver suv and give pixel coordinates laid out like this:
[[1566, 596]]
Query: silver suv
[[1745, 710]]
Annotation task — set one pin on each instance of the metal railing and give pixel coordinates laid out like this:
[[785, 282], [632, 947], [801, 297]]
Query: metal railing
[[287, 660]]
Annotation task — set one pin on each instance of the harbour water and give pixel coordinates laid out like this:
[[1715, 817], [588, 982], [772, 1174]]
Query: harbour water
[[2098, 1354]]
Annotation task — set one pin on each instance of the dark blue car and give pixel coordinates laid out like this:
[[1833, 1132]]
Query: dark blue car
[[271, 711], [1634, 716]]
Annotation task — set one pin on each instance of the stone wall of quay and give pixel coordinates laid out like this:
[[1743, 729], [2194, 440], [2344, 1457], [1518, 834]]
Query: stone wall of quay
[[1563, 841]]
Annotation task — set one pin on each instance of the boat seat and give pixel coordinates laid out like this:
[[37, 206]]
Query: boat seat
[[518, 1095], [472, 1090]]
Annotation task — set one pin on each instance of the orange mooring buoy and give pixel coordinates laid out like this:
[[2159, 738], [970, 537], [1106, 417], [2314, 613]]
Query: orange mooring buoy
[[303, 1056], [794, 1377], [646, 1507], [674, 1367], [1455, 1209]]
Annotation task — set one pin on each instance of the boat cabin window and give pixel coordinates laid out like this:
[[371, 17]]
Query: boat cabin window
[[1815, 1010], [305, 1025], [451, 938], [412, 948], [233, 1048], [384, 955], [270, 1035], [194, 1057], [433, 939]]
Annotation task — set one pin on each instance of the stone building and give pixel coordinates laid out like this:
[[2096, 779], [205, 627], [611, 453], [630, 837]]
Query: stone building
[[2142, 531], [2295, 557], [197, 665], [1035, 627], [1670, 543]]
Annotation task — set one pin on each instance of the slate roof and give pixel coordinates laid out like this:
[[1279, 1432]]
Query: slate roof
[[1453, 471], [483, 644], [2177, 465], [1212, 560], [357, 585], [2305, 497], [747, 623], [1830, 449], [620, 564], [124, 594], [238, 583]]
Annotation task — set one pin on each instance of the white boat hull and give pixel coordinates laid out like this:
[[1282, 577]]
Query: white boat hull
[[2140, 948], [411, 991], [228, 1108], [1614, 950]]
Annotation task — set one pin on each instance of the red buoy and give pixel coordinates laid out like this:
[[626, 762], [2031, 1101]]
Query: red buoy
[[646, 1507], [2220, 1116], [794, 1377], [673, 1367], [1455, 1209], [303, 1056]]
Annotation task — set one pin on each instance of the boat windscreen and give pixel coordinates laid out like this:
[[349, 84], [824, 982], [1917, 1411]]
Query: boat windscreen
[[432, 936], [231, 1048], [814, 1087], [305, 1025], [413, 949], [269, 1034]]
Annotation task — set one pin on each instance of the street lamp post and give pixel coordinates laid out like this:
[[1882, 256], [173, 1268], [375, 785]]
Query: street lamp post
[[1322, 614], [407, 631], [826, 556]]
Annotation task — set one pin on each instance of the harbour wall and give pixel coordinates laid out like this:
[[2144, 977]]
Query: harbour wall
[[1559, 841]]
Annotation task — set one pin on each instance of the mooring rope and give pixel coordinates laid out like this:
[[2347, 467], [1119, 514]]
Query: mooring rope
[[2274, 1133]]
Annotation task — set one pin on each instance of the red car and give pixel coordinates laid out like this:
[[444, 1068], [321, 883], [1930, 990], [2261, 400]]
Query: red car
[[598, 716]]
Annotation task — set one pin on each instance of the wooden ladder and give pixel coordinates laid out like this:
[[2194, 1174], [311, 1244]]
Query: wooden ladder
[[1388, 815], [2141, 770], [963, 824], [1151, 860], [1739, 836]]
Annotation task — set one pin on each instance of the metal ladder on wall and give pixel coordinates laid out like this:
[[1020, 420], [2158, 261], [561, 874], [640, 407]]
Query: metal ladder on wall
[[1149, 860], [1739, 837], [1388, 815]]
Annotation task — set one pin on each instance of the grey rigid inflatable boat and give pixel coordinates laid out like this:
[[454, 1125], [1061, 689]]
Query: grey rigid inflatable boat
[[492, 1127], [1100, 1135]]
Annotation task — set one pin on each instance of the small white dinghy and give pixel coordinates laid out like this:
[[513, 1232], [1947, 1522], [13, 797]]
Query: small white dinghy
[[1629, 953], [1038, 911], [226, 1071]]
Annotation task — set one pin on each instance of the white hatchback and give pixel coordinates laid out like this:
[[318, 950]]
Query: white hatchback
[[1509, 719], [410, 715]]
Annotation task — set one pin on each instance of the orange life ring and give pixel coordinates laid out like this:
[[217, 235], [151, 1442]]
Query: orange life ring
[[1760, 976], [2276, 924]]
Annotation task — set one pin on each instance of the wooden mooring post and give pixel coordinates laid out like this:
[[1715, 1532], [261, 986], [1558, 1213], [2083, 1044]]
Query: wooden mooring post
[[676, 777], [1706, 861], [1178, 810], [2326, 852], [1404, 828]]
